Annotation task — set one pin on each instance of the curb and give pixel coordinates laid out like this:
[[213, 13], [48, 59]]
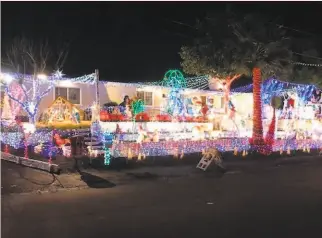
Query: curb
[[36, 164], [47, 191], [56, 190]]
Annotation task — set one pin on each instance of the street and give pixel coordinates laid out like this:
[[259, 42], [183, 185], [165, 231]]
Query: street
[[275, 201]]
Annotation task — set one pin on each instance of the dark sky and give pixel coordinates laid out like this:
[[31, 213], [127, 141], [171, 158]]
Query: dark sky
[[130, 41]]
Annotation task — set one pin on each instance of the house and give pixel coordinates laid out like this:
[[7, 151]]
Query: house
[[82, 93], [154, 97]]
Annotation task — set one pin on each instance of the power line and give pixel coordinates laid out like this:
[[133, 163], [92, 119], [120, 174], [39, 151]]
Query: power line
[[309, 56], [293, 29], [306, 64]]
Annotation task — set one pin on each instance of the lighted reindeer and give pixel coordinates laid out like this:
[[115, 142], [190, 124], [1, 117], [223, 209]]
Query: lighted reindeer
[[145, 136]]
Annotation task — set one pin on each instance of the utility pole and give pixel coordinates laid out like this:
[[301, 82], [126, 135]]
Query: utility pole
[[97, 87], [95, 111]]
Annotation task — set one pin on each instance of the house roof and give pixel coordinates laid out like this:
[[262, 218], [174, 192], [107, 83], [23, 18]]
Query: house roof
[[273, 87]]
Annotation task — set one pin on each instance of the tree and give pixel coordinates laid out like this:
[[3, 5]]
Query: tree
[[25, 57], [212, 53], [250, 45], [264, 49]]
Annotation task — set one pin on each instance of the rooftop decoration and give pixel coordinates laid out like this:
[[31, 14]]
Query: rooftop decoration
[[56, 76], [273, 87], [174, 79]]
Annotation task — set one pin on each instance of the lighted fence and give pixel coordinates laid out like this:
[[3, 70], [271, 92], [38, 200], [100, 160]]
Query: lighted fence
[[164, 148]]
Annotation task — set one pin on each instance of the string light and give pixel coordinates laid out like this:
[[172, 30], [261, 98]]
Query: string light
[[273, 87], [165, 148], [107, 139], [270, 87], [257, 140], [306, 64], [56, 76], [161, 148], [15, 139]]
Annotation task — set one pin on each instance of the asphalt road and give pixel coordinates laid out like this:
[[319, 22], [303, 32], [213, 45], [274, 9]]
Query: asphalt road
[[284, 201]]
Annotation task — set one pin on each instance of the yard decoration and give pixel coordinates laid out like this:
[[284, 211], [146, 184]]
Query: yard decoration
[[175, 80], [59, 141], [137, 107], [62, 110], [257, 140]]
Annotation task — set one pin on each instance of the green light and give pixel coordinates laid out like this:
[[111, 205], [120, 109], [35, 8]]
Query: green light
[[137, 107], [107, 156], [174, 79]]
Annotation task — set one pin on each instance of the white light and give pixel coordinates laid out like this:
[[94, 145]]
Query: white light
[[211, 116], [29, 128], [42, 76], [32, 107], [65, 83], [58, 74], [7, 78]]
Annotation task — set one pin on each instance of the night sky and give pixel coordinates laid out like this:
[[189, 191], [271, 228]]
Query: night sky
[[131, 41]]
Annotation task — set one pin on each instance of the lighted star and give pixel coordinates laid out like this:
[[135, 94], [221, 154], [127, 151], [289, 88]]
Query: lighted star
[[58, 74]]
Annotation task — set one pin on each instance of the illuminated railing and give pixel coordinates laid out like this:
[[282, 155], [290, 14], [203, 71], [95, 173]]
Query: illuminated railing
[[150, 114]]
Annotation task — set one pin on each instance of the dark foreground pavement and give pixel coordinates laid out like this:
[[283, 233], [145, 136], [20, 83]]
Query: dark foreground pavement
[[284, 201]]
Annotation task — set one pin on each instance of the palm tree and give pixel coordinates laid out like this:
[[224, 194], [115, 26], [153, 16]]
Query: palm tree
[[263, 52]]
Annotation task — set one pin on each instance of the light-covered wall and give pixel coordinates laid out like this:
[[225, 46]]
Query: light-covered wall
[[115, 92], [87, 94]]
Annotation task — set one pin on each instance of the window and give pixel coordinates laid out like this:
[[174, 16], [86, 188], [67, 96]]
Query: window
[[71, 94], [146, 97], [61, 92], [74, 95]]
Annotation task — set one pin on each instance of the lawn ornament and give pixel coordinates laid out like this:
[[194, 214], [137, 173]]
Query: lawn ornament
[[60, 141], [210, 155]]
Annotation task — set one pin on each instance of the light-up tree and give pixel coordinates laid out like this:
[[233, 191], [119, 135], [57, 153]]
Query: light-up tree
[[25, 57]]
